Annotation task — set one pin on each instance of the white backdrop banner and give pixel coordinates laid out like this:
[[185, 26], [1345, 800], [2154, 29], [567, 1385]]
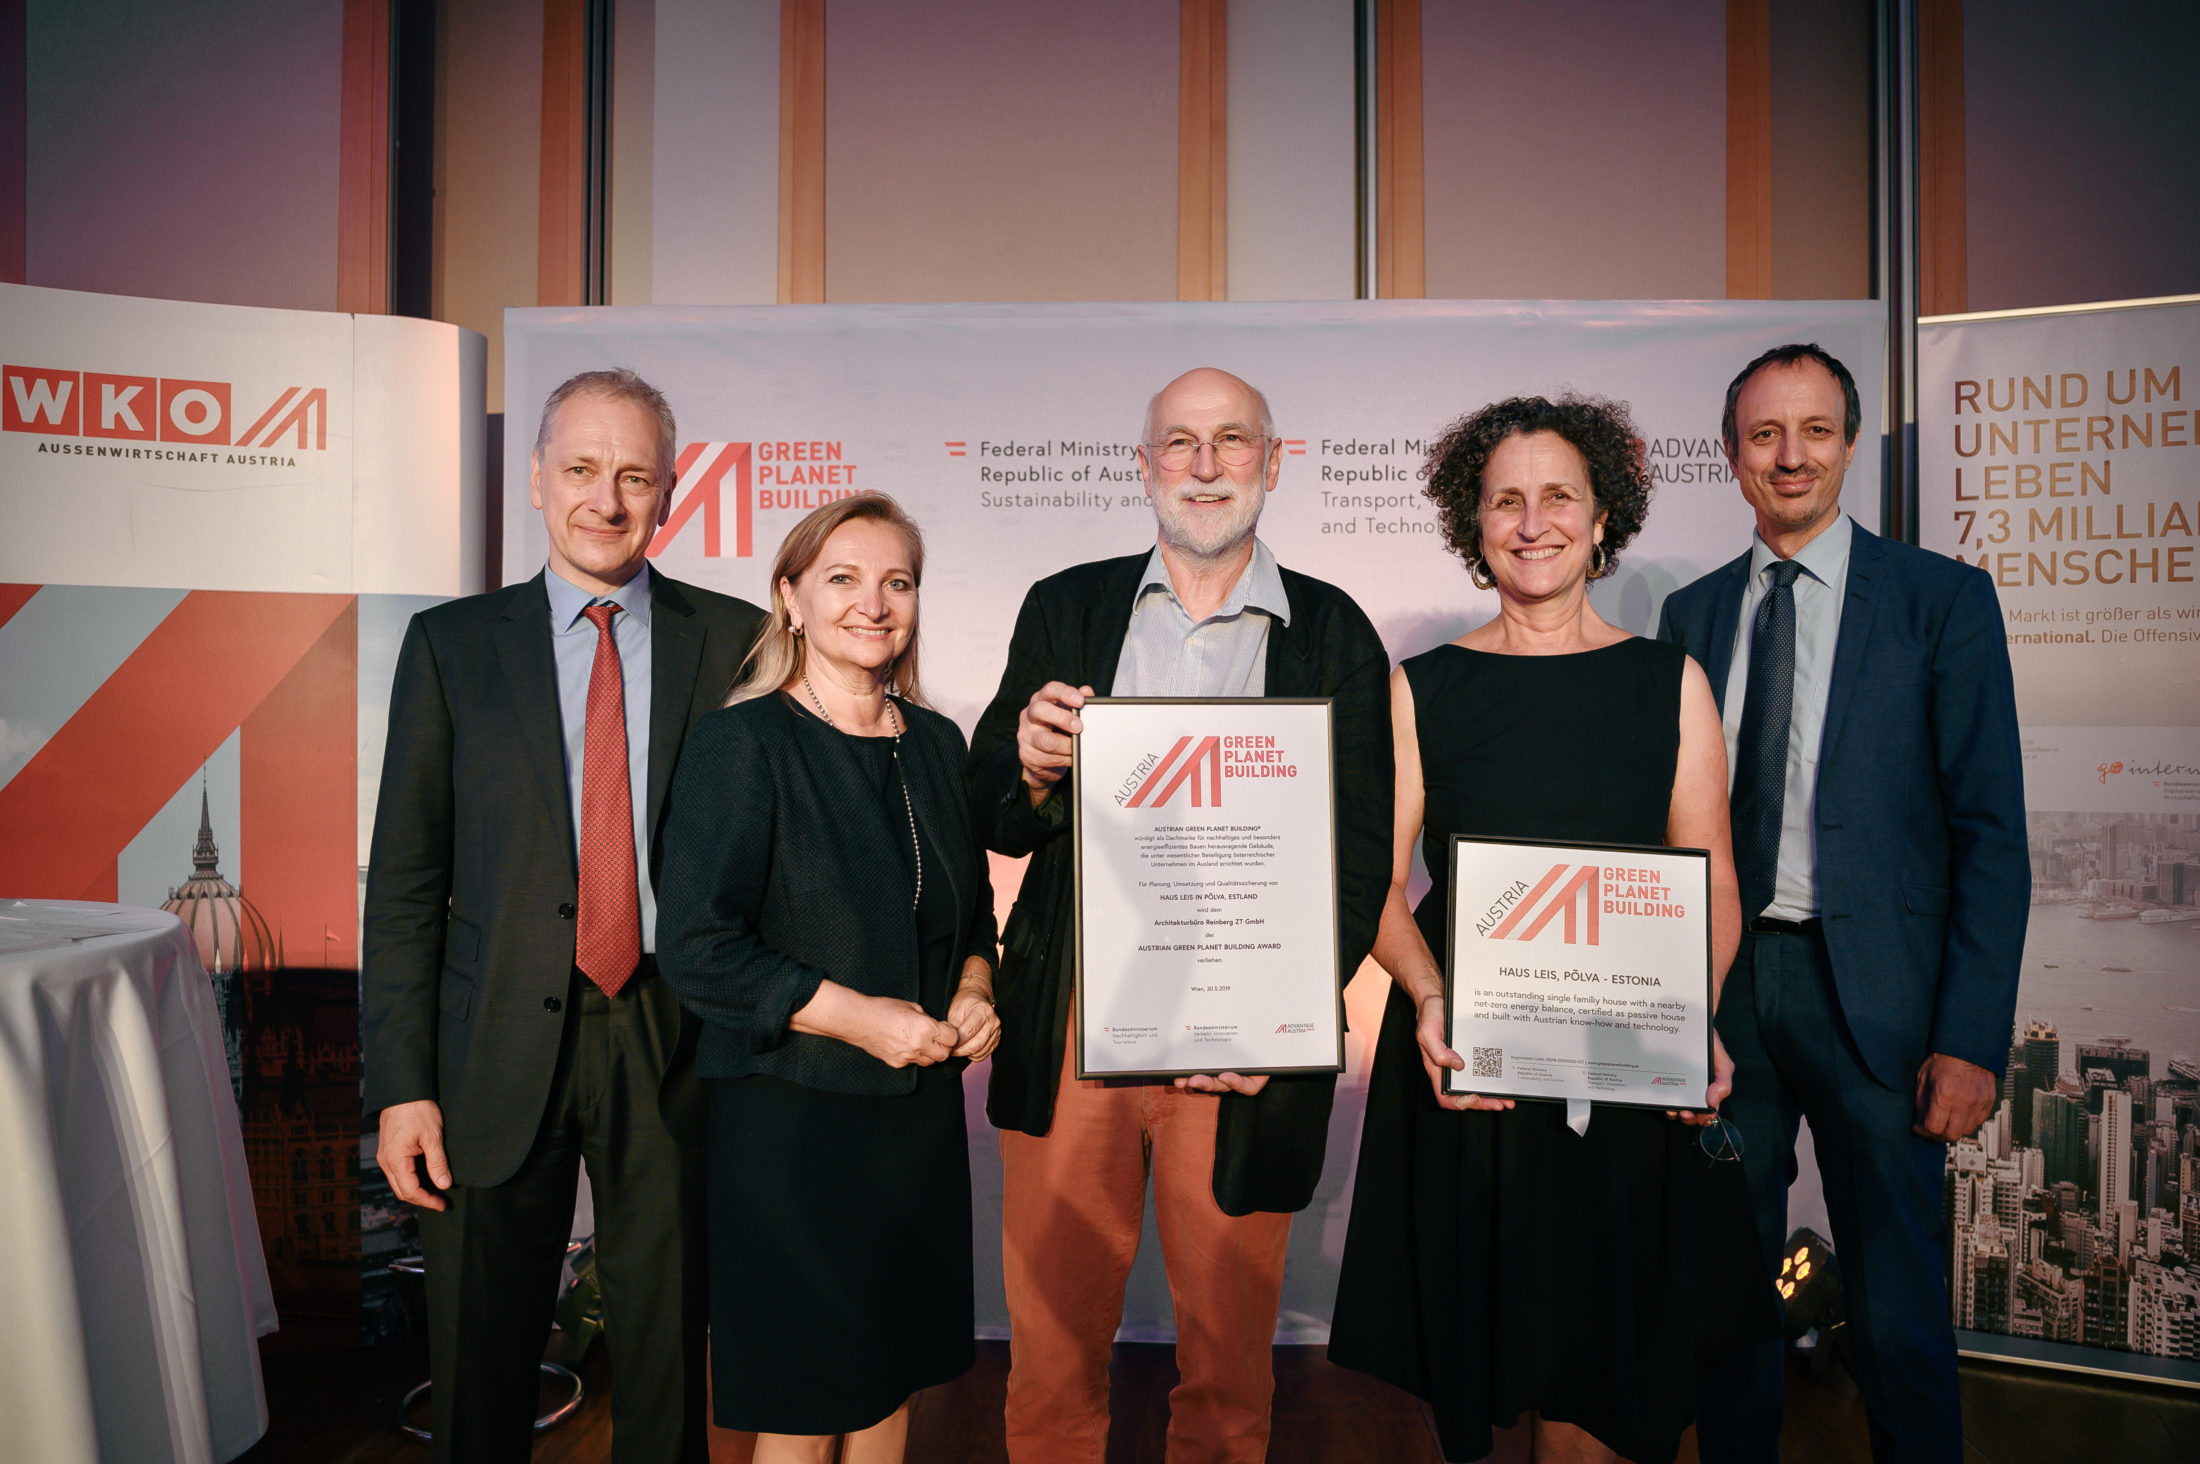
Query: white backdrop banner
[[2060, 451], [1007, 430]]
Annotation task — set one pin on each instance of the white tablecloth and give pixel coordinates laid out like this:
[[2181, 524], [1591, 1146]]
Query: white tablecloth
[[137, 1284]]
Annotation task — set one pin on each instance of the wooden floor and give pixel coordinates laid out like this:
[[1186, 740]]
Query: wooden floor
[[340, 1408]]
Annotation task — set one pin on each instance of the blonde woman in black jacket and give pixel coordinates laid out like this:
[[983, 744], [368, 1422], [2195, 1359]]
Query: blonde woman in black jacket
[[826, 912]]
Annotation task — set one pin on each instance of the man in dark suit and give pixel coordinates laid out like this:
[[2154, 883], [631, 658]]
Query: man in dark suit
[[1878, 807], [1206, 612], [513, 1020]]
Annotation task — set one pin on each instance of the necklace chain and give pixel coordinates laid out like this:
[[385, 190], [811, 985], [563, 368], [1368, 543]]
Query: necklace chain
[[915, 848]]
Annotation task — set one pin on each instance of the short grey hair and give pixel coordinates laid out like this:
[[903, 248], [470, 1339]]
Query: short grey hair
[[620, 385], [1267, 419]]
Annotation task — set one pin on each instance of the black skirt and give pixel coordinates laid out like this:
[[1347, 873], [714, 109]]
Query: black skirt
[[840, 1272]]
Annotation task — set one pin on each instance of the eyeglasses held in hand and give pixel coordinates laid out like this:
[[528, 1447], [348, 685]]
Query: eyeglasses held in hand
[[1721, 1140], [1232, 449]]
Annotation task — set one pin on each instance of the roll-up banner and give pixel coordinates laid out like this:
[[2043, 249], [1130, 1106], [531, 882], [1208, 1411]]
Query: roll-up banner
[[1007, 431], [2059, 450], [219, 520]]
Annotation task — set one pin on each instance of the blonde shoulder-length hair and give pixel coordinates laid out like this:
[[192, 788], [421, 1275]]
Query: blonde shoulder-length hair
[[779, 654]]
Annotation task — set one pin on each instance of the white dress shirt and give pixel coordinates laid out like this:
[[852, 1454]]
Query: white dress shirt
[[1819, 592]]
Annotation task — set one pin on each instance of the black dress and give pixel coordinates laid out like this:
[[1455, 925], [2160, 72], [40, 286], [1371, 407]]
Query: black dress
[[1496, 1262], [840, 1270]]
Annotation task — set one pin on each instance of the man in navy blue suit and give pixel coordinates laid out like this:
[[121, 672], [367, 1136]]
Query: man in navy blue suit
[[1878, 808]]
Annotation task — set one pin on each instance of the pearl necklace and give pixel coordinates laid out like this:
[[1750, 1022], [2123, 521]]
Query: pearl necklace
[[907, 807]]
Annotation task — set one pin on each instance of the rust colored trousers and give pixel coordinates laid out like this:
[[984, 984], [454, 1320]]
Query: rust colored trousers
[[1071, 1210]]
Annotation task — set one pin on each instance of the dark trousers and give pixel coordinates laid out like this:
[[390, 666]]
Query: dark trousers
[[1780, 1018], [625, 1099]]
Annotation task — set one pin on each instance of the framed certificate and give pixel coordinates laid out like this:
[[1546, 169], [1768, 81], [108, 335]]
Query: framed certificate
[[1206, 867], [1580, 971]]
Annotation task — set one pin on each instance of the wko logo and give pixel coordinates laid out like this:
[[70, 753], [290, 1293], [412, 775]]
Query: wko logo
[[56, 403], [766, 475], [1580, 890]]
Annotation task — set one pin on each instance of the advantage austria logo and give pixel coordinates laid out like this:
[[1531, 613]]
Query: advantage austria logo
[[189, 413]]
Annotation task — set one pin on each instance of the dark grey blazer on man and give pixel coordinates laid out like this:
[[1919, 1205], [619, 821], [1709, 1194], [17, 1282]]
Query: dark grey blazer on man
[[1268, 1148], [774, 867], [468, 938]]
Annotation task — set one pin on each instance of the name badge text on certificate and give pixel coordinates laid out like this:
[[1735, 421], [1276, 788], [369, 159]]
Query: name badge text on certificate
[[1206, 888], [1580, 971]]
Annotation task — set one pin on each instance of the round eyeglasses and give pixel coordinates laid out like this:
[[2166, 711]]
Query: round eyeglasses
[[1232, 449], [1721, 1140]]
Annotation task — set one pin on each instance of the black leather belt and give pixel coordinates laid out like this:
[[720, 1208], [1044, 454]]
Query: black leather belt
[[1769, 925]]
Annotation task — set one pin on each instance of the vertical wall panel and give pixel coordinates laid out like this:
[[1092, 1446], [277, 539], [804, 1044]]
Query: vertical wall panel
[[1203, 151], [801, 152], [1401, 174], [714, 168], [185, 151], [363, 177], [561, 208], [1748, 149], [1001, 151], [1290, 150], [1576, 149], [633, 162], [1822, 149], [488, 144], [2081, 140]]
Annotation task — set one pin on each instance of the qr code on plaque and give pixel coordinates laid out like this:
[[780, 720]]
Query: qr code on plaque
[[1489, 1062]]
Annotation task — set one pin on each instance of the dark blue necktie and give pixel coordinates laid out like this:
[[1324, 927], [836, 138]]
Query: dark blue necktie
[[1760, 753]]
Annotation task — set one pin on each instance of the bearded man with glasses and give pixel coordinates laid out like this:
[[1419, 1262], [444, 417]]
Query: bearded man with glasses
[[1206, 612]]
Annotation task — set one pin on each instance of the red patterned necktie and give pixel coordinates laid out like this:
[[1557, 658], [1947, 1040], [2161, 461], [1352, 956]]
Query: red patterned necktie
[[608, 942]]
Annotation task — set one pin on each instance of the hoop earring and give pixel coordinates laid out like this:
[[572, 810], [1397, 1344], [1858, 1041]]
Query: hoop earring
[[795, 630], [1481, 575], [1599, 561]]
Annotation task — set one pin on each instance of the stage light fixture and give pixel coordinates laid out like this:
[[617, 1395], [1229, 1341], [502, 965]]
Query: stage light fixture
[[1809, 1284]]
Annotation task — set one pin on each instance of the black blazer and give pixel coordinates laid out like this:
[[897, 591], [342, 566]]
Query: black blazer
[[467, 943], [775, 859], [1924, 882], [1268, 1148]]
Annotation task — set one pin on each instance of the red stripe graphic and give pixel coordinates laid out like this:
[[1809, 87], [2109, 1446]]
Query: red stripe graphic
[[1519, 911], [14, 598], [244, 438], [1160, 770], [1585, 881], [113, 765]]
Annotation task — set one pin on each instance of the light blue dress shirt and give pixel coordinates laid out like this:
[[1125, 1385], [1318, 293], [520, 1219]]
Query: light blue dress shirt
[[573, 642], [1819, 592], [1167, 653]]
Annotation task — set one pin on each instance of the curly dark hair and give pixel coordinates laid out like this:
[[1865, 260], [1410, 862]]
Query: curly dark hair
[[1600, 430]]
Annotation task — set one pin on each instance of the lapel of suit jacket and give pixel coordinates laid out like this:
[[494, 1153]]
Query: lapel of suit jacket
[[1726, 616], [675, 651], [1107, 620], [1858, 604], [531, 680]]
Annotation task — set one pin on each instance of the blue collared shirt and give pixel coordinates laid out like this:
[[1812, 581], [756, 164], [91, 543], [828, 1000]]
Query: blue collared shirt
[[1165, 653], [1819, 592], [573, 642]]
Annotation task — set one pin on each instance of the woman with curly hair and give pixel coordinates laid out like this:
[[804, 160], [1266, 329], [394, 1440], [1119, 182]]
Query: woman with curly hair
[[1514, 1272]]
